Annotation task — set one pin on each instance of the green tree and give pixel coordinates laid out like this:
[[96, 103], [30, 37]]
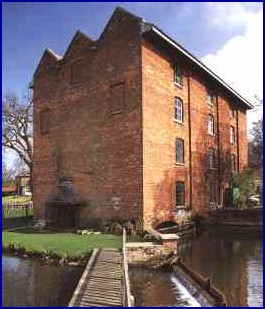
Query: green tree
[[255, 153], [244, 187]]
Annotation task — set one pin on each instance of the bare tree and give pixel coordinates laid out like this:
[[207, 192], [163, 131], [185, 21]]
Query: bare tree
[[17, 127], [8, 175]]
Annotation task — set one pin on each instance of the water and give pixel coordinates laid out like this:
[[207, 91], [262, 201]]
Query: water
[[29, 283], [152, 288], [233, 260]]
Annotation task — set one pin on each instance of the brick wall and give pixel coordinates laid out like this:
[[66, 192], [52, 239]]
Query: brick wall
[[160, 130], [112, 130], [99, 151]]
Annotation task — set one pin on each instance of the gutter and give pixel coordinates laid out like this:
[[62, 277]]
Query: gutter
[[150, 27]]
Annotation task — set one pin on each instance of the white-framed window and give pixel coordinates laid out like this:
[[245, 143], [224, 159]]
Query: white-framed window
[[179, 110], [210, 124], [180, 194], [179, 150], [210, 99], [232, 135], [232, 112], [178, 75]]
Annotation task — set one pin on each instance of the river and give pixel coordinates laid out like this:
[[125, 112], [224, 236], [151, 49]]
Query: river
[[233, 260], [30, 283]]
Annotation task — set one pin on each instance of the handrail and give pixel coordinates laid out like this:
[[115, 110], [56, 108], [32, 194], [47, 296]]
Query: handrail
[[127, 297]]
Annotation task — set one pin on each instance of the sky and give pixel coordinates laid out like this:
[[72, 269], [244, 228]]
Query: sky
[[226, 36]]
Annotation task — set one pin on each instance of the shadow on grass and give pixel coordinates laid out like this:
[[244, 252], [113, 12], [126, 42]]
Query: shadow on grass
[[31, 230]]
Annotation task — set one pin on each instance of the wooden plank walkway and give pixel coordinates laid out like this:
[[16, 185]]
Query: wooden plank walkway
[[101, 284]]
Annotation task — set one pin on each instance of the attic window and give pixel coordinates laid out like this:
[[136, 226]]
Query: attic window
[[45, 121], [117, 98], [76, 73], [178, 75]]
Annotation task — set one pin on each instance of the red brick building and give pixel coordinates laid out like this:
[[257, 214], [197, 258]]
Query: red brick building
[[132, 126]]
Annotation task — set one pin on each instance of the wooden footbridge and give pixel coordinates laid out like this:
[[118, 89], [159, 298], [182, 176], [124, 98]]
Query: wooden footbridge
[[105, 280]]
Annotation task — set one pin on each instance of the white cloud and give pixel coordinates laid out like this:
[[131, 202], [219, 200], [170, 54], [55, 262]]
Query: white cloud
[[230, 14], [240, 60]]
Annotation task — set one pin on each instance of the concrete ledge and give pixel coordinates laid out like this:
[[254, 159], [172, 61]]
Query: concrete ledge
[[168, 241], [169, 237], [132, 245]]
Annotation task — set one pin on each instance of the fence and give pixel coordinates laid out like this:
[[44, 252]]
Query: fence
[[128, 300], [17, 210]]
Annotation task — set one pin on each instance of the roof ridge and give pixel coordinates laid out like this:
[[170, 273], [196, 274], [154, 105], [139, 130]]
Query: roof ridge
[[51, 52], [152, 27]]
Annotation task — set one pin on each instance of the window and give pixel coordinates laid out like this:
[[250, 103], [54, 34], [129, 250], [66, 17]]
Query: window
[[178, 76], [179, 150], [210, 124], [213, 192], [178, 109], [232, 113], [233, 162], [213, 159], [45, 121], [76, 73], [232, 135], [180, 194], [210, 99], [117, 98], [66, 190]]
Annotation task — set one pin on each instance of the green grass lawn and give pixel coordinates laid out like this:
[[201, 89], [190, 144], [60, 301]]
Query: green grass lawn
[[63, 244], [15, 199]]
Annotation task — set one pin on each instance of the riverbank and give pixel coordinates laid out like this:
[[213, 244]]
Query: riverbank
[[56, 247]]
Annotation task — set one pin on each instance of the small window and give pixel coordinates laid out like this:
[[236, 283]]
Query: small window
[[213, 158], [178, 109], [210, 99], [210, 124], [232, 135], [66, 190], [76, 73], [178, 75], [45, 121], [117, 98], [179, 150], [213, 192], [232, 113], [180, 194], [233, 162]]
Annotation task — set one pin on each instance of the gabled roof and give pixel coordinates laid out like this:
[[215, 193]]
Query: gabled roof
[[48, 58], [148, 27], [116, 13], [79, 36]]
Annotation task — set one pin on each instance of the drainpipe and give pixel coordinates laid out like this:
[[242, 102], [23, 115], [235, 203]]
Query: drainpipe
[[237, 139], [190, 153], [218, 148]]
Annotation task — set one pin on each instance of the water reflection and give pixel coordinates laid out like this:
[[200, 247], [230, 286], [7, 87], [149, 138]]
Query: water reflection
[[28, 283], [232, 259]]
